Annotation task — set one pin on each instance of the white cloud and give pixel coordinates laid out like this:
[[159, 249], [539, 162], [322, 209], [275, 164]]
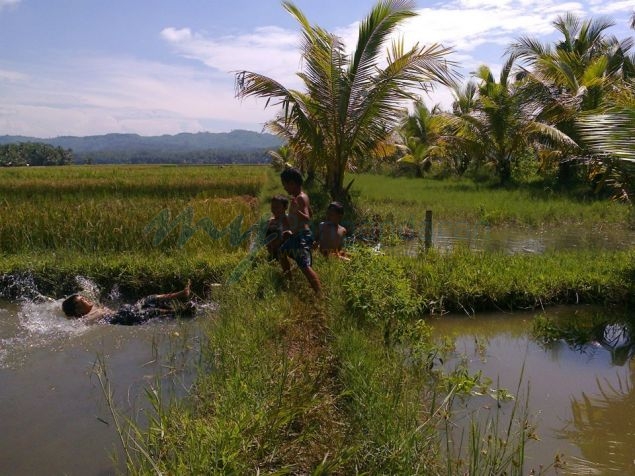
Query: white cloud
[[8, 3], [12, 76], [269, 50], [608, 8], [82, 96]]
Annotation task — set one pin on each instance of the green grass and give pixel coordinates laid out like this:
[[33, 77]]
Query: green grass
[[405, 200], [464, 281], [107, 209], [290, 384]]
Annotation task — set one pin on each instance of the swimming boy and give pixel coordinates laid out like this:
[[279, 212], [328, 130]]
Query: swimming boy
[[276, 224], [330, 235], [78, 306], [299, 238]]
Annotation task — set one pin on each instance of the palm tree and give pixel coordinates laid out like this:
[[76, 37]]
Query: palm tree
[[582, 72], [609, 134], [499, 125], [350, 102], [419, 136]]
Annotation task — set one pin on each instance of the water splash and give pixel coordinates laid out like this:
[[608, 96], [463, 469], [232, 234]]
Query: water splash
[[31, 320], [88, 288], [20, 287], [114, 294]]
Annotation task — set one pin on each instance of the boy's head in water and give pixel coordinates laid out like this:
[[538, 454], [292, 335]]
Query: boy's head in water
[[77, 306]]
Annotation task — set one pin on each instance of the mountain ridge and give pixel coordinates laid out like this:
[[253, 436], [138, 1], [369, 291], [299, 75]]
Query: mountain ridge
[[185, 141]]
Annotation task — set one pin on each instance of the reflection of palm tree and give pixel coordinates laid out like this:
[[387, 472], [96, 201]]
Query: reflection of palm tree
[[617, 338], [603, 428], [601, 424]]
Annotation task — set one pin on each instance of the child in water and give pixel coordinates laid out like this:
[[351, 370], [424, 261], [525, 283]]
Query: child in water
[[78, 306]]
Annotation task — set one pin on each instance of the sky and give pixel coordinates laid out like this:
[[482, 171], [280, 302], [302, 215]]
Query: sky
[[153, 67]]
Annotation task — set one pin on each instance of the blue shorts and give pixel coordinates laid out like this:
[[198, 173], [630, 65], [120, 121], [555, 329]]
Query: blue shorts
[[298, 246]]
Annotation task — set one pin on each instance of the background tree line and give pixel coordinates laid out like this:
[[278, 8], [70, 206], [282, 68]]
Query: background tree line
[[561, 112], [29, 153]]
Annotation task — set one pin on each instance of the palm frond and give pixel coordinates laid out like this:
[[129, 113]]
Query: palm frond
[[610, 132]]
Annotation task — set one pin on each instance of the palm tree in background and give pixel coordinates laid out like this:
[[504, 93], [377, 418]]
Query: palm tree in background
[[499, 125], [584, 71], [423, 135], [351, 103]]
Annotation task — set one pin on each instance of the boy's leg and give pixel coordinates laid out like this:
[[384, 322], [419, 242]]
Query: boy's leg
[[284, 262], [183, 294], [313, 279]]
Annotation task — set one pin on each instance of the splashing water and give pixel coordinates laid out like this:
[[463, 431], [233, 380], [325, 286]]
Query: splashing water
[[20, 287], [114, 294], [88, 288], [33, 321]]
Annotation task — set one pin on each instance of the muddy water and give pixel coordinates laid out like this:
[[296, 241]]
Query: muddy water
[[581, 399], [446, 236], [53, 415]]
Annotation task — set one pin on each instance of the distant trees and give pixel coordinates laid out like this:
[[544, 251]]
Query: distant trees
[[567, 108], [32, 153]]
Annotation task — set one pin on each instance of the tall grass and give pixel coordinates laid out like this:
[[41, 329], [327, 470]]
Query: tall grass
[[404, 200], [106, 209]]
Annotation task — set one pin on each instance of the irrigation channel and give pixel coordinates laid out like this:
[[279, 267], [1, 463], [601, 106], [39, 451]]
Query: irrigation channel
[[55, 419]]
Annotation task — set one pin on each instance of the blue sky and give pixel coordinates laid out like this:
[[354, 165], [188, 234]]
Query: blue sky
[[151, 67]]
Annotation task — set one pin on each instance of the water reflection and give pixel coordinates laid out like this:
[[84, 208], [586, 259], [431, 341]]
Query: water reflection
[[447, 236], [581, 388], [600, 422], [602, 425]]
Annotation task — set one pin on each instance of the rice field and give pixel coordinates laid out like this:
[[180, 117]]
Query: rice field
[[108, 209]]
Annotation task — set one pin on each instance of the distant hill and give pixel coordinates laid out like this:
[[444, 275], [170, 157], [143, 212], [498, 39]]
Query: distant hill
[[237, 146]]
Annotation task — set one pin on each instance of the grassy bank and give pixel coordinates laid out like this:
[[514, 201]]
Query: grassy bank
[[295, 385], [102, 223]]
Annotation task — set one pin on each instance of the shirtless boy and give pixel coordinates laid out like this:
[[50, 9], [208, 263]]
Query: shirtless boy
[[276, 224], [78, 306], [330, 235], [299, 239]]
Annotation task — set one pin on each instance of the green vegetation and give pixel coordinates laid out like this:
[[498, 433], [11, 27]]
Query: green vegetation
[[291, 383], [561, 113], [13, 155], [462, 200], [60, 222], [348, 384], [352, 101]]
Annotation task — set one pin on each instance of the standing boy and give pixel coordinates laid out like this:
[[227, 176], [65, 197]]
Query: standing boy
[[298, 233]]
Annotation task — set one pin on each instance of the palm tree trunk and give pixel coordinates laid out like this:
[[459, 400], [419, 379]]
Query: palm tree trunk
[[504, 171]]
